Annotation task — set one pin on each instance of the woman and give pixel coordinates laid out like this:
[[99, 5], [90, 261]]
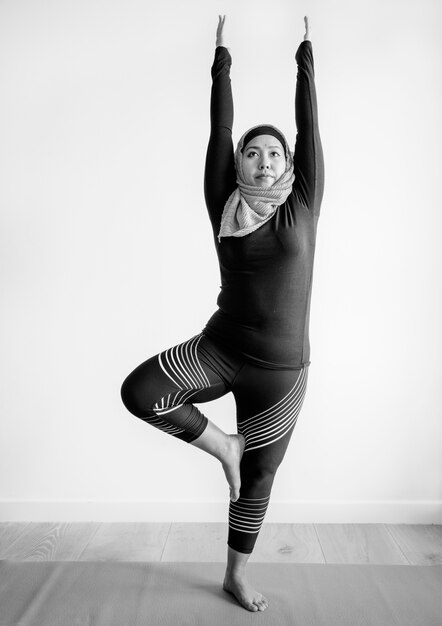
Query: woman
[[263, 203]]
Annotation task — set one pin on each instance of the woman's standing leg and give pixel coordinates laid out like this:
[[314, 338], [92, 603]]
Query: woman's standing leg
[[268, 404]]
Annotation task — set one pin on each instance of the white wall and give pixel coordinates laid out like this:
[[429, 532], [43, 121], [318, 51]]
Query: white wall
[[104, 266]]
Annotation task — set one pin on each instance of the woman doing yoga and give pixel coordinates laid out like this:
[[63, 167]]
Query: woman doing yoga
[[263, 203]]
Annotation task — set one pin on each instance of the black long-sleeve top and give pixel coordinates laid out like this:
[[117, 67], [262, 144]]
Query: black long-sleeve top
[[266, 276]]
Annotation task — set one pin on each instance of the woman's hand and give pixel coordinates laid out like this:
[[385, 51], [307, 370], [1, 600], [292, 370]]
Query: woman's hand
[[219, 31], [307, 29]]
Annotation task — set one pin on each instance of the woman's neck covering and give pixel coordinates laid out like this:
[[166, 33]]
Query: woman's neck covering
[[250, 206]]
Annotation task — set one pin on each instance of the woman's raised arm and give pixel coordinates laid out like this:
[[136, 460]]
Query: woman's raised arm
[[308, 158], [219, 173]]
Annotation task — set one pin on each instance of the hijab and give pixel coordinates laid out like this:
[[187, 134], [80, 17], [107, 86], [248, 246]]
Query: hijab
[[249, 207]]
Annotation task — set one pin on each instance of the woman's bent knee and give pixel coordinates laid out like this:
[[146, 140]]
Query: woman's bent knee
[[126, 394], [132, 397]]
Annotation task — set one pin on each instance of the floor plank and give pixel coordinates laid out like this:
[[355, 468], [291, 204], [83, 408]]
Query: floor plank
[[420, 543], [276, 543], [50, 541], [202, 542], [9, 533], [127, 541], [359, 543], [207, 542], [287, 543]]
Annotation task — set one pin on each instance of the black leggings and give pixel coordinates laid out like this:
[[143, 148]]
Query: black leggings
[[161, 390]]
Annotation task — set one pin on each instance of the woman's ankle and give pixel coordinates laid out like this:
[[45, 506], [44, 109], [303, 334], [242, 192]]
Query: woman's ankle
[[236, 562], [213, 440]]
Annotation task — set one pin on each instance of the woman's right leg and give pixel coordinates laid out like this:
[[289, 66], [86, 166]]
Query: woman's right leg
[[160, 390]]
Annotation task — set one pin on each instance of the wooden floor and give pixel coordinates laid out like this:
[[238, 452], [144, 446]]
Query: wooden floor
[[283, 543]]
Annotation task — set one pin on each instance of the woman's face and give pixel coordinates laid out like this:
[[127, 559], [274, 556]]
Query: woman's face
[[263, 161]]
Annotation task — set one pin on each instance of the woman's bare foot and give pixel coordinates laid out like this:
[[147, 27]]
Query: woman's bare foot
[[246, 595], [230, 461]]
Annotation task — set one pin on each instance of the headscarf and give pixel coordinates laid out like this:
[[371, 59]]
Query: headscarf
[[250, 206], [262, 130]]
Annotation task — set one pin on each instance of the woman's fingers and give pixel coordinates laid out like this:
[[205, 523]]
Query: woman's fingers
[[307, 28], [219, 30]]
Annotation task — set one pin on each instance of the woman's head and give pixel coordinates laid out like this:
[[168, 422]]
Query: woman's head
[[263, 156]]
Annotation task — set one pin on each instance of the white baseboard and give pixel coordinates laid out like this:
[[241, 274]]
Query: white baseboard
[[294, 512]]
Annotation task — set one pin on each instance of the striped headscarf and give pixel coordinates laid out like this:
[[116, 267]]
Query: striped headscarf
[[250, 206]]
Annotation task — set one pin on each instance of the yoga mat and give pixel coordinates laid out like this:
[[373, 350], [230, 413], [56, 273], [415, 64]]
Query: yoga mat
[[56, 593]]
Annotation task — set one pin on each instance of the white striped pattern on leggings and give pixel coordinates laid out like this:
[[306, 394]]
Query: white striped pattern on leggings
[[182, 366], [247, 514], [270, 425]]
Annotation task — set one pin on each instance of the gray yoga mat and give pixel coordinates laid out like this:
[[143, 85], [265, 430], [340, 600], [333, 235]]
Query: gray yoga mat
[[189, 594]]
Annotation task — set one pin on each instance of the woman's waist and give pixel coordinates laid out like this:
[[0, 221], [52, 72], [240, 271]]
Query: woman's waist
[[274, 345], [262, 315]]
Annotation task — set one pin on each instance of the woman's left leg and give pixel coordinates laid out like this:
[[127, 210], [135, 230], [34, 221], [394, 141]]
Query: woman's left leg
[[268, 404]]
